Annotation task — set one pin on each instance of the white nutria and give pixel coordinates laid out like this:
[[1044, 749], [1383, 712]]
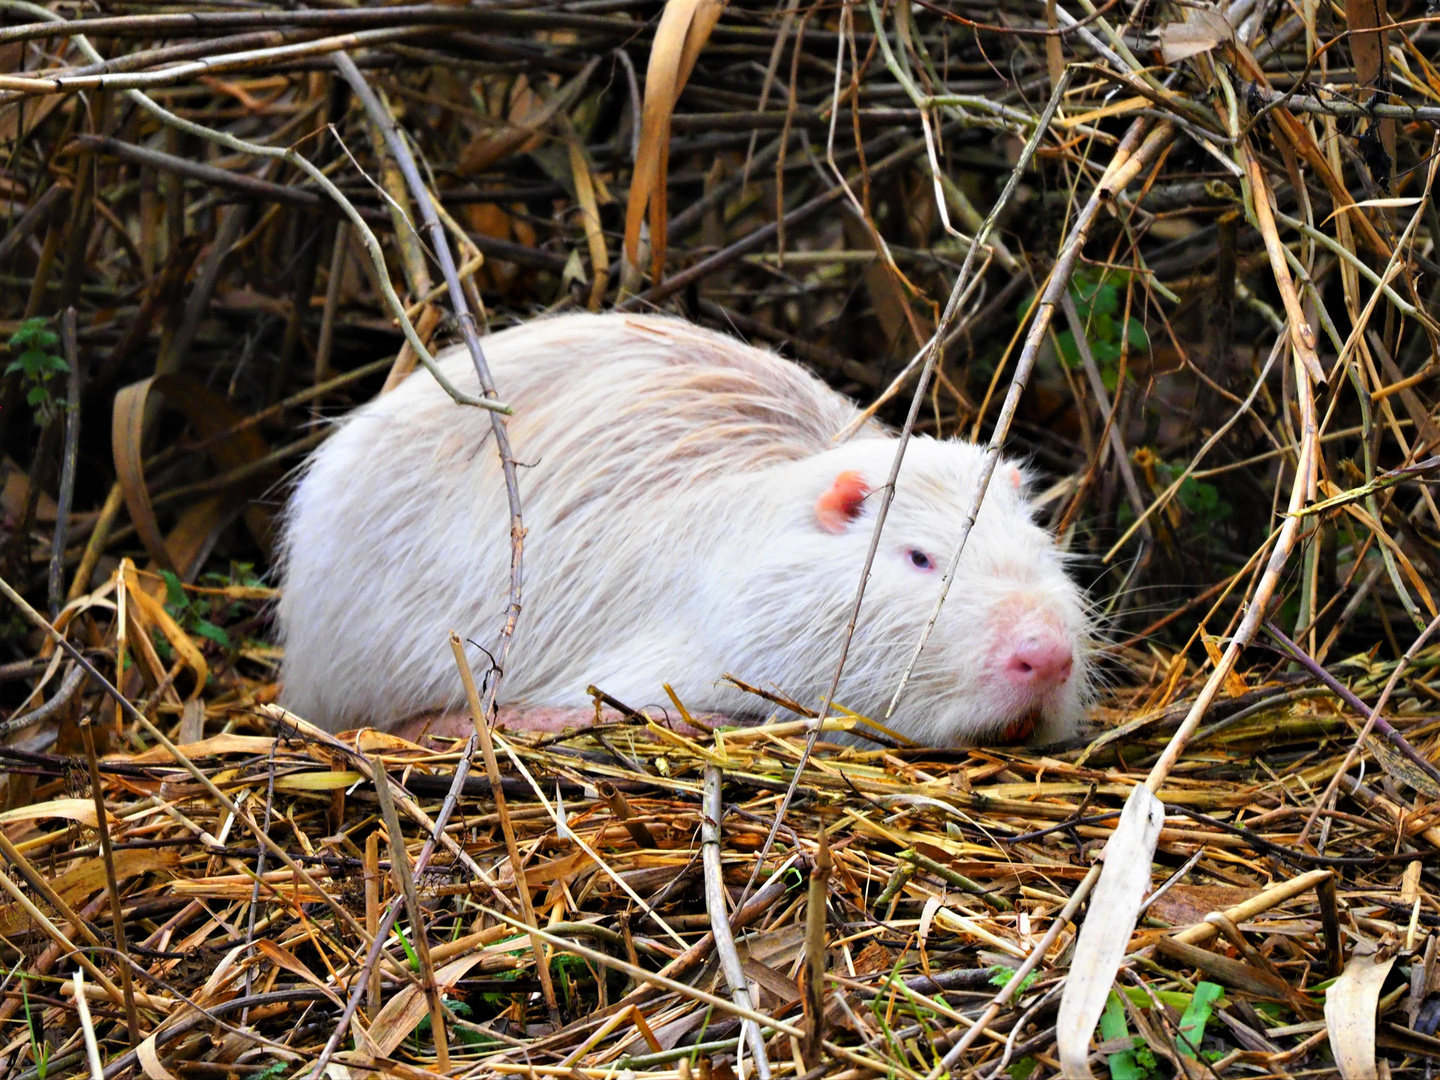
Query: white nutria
[[688, 514]]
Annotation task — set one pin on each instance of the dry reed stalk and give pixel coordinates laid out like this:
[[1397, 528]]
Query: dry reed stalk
[[1212, 482]]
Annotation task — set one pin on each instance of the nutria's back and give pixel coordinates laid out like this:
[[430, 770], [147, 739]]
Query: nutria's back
[[399, 529], [651, 394]]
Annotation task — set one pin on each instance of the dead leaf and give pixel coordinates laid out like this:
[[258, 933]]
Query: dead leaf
[[219, 744], [408, 1007], [283, 958], [149, 1057], [1369, 46], [1202, 30], [1350, 1006], [1114, 907], [150, 614], [530, 113], [212, 418], [1185, 905], [77, 886], [684, 28], [81, 810]]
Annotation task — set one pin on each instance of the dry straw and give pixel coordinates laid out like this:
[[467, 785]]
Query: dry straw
[[239, 221]]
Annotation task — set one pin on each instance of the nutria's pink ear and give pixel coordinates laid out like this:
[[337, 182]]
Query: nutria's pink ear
[[841, 502]]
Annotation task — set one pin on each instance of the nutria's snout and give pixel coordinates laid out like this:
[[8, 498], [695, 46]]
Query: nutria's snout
[[1035, 670], [1035, 667], [1041, 663]]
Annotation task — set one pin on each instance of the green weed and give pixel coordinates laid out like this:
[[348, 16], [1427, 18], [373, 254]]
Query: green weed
[[38, 367]]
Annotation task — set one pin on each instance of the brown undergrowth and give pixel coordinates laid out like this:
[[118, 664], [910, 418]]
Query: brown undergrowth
[[1202, 302]]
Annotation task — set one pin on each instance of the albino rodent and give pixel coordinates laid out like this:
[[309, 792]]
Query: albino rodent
[[687, 514]]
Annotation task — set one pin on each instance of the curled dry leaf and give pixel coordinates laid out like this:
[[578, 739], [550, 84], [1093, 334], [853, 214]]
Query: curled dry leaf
[[1350, 1006], [150, 1060], [1202, 30], [215, 421], [684, 28], [149, 614], [81, 810], [408, 1007]]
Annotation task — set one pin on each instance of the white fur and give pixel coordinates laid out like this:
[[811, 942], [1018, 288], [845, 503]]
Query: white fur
[[668, 479]]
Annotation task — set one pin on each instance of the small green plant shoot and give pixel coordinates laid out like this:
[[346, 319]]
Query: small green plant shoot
[[1000, 975], [188, 612], [1098, 301], [38, 366]]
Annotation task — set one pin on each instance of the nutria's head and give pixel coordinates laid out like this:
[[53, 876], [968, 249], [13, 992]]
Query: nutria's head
[[1008, 659]]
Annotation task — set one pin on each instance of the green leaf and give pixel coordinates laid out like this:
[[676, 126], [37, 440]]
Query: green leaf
[[1091, 295], [1196, 1016], [1069, 354], [1112, 1021], [175, 597], [1124, 1065], [34, 331], [568, 962], [37, 396], [1000, 975], [1136, 335], [409, 949], [1023, 1068], [206, 629]]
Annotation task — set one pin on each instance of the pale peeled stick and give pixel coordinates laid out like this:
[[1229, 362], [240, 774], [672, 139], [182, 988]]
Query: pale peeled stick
[[688, 514]]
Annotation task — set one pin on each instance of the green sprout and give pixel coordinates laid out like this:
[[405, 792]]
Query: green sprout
[[38, 367], [1107, 331], [1000, 975]]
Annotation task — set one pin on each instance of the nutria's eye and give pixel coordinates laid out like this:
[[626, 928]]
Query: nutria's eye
[[920, 560]]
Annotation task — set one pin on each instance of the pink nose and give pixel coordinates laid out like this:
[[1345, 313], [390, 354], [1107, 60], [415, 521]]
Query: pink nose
[[1041, 662]]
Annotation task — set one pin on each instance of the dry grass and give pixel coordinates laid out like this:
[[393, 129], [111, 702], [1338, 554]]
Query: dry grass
[[1204, 307]]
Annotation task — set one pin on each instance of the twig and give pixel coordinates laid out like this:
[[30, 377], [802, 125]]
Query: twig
[[69, 457], [479, 718], [210, 174], [13, 88], [112, 884], [52, 201], [420, 941], [720, 919], [1371, 716], [87, 1027], [291, 157], [1382, 110], [440, 249], [74, 679], [815, 951]]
